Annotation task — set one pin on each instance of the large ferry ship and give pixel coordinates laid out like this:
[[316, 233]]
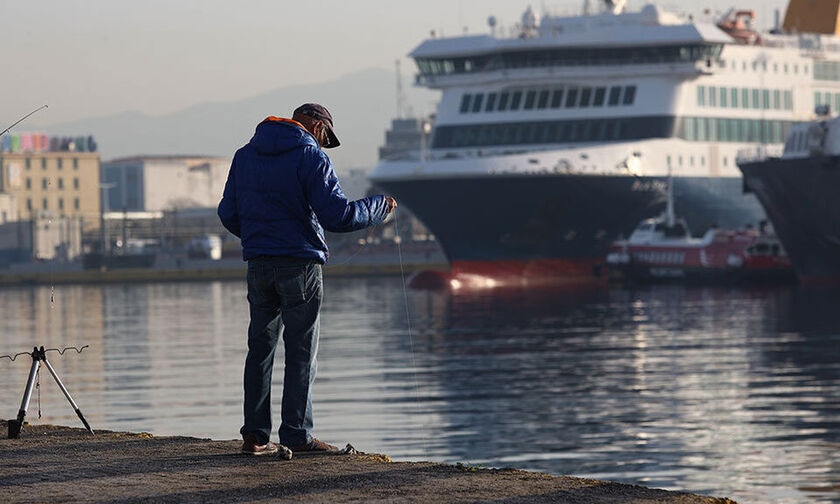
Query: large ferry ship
[[799, 190], [551, 142]]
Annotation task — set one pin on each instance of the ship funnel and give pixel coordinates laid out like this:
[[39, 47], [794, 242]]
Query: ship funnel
[[615, 6]]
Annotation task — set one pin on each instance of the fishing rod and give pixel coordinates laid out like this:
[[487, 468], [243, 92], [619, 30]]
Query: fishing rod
[[42, 107]]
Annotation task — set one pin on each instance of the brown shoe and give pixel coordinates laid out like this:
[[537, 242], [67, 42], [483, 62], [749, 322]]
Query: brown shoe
[[251, 446], [315, 446]]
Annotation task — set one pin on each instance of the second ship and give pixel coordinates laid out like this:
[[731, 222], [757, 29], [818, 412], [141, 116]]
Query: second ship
[[551, 142]]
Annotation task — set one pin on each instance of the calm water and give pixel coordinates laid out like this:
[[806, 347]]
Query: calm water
[[718, 391]]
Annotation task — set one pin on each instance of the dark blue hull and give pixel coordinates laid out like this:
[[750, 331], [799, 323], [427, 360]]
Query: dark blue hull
[[802, 200], [531, 217]]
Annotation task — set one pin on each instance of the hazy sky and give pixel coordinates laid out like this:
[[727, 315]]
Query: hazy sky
[[90, 58]]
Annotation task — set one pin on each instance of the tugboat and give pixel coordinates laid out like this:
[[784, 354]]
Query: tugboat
[[664, 249]]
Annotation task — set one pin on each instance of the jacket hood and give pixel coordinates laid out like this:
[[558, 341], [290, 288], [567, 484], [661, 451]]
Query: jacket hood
[[277, 135]]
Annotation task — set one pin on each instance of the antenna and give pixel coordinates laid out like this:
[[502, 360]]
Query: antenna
[[400, 91]]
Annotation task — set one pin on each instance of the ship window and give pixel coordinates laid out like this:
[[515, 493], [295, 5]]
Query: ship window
[[756, 131], [600, 93], [733, 98], [503, 100], [491, 102], [777, 132], [615, 94], [765, 99], [785, 66], [629, 95], [465, 103], [723, 96], [777, 99], [530, 97], [701, 96], [733, 130], [788, 95], [703, 129], [542, 102], [690, 128], [516, 100], [745, 98], [571, 97], [712, 132], [723, 130], [477, 100], [585, 96], [557, 98], [755, 96], [795, 68], [712, 96]]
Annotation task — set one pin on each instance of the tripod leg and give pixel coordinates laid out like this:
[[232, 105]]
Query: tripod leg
[[67, 395], [16, 425]]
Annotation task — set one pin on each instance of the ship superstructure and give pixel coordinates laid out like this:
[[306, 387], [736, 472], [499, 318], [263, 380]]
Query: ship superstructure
[[550, 143]]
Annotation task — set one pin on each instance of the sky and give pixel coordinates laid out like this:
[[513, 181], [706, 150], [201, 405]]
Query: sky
[[90, 58]]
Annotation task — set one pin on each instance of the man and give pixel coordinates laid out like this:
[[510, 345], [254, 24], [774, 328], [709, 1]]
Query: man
[[280, 191]]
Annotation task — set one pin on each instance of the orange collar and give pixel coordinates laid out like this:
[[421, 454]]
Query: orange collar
[[282, 120]]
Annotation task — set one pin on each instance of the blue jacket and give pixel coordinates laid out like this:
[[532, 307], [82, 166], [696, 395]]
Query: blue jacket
[[282, 189]]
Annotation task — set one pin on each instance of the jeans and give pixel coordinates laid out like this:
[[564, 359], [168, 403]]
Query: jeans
[[285, 296]]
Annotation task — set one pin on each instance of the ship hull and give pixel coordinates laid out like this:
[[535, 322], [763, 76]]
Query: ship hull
[[550, 225], [800, 198]]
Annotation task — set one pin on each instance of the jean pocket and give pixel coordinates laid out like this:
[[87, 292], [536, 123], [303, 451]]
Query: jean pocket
[[290, 285]]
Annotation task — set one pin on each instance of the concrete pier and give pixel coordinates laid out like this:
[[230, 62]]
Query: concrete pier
[[61, 464]]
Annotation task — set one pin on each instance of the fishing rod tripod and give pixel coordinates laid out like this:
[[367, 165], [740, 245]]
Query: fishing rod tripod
[[39, 355]]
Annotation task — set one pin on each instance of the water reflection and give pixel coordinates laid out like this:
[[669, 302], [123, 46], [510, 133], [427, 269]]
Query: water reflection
[[724, 391]]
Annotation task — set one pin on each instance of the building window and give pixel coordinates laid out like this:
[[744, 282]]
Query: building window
[[75, 163], [61, 203], [28, 163], [43, 163], [465, 103], [795, 68], [477, 101], [745, 98], [44, 203], [75, 182], [817, 98], [60, 162], [723, 97], [75, 203], [786, 67], [712, 96], [755, 96], [28, 183], [765, 99], [615, 94], [777, 99], [788, 97], [733, 98], [725, 161], [29, 204], [61, 183], [701, 96], [44, 183]]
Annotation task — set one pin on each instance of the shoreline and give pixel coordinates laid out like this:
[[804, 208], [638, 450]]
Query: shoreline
[[194, 274], [63, 464]]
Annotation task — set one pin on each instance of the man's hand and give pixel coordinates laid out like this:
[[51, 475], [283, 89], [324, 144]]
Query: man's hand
[[392, 204]]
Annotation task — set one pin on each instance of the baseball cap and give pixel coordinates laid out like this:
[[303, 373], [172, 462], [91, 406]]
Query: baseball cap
[[321, 113]]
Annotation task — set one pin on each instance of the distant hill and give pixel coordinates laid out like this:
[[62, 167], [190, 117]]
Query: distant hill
[[361, 103]]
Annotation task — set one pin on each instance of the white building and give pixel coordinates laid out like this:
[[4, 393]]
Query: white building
[[160, 183]]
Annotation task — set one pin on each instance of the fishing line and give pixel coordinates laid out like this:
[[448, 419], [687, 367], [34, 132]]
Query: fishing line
[[398, 239]]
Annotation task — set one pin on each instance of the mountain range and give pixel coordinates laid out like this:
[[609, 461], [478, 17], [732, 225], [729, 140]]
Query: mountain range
[[362, 105]]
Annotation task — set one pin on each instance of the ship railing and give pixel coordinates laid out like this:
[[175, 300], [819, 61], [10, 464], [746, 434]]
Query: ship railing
[[759, 153]]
